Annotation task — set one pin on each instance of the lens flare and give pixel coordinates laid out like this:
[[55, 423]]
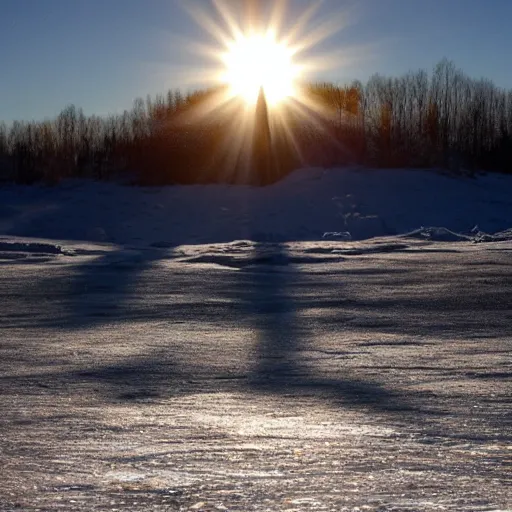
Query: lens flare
[[254, 46], [261, 46], [257, 62]]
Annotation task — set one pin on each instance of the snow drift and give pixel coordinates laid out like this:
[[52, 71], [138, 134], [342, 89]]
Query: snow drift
[[309, 205]]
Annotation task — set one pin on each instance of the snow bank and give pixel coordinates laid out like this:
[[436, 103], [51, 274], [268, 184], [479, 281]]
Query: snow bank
[[309, 205], [30, 247], [436, 234]]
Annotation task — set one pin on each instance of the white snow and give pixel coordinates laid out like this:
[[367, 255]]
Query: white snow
[[161, 348], [309, 205]]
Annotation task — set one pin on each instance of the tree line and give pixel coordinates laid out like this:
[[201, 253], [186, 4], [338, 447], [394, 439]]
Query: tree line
[[445, 119]]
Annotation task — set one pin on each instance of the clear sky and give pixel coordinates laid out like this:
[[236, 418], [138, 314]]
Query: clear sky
[[102, 54]]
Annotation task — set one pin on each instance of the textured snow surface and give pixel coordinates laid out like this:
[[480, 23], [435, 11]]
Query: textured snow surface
[[309, 205], [339, 341], [314, 376]]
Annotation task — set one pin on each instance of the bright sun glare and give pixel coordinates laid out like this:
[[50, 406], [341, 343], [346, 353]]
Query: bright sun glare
[[250, 46], [262, 45], [260, 61]]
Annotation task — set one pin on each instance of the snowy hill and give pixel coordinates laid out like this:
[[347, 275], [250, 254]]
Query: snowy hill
[[310, 205]]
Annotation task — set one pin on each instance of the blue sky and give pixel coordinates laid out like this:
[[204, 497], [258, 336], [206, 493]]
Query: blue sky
[[102, 54]]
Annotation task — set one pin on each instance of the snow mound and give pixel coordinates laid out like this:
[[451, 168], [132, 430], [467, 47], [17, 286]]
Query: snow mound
[[502, 236], [437, 234], [30, 248], [441, 234], [337, 235], [338, 205]]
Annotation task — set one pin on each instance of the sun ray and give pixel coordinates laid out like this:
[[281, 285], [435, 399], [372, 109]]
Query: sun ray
[[256, 48], [320, 33], [277, 16], [229, 19], [343, 57], [310, 112], [323, 30], [208, 23], [216, 105], [283, 123], [295, 33], [203, 49]]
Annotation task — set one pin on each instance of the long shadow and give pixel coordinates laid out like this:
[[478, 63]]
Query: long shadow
[[105, 290], [285, 343], [273, 295], [279, 336], [269, 294], [102, 289]]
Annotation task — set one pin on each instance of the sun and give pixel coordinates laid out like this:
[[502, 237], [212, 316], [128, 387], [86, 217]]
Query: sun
[[258, 61], [252, 46]]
